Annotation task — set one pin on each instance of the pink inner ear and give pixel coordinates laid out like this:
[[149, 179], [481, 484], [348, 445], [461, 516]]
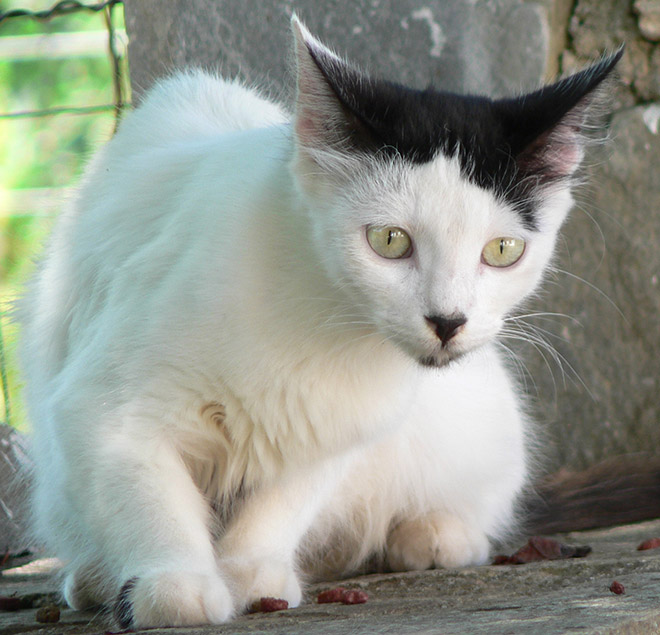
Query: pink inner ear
[[312, 98], [305, 126], [566, 147], [555, 154], [568, 158]]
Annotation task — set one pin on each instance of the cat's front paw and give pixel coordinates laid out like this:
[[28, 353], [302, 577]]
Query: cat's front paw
[[435, 540], [252, 581], [173, 598]]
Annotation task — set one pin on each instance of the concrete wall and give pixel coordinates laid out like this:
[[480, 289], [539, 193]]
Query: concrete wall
[[606, 400], [445, 42]]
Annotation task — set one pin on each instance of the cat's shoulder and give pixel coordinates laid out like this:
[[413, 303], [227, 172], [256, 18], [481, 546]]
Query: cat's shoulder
[[196, 102]]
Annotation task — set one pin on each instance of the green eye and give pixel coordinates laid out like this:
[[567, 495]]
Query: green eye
[[389, 242], [503, 252]]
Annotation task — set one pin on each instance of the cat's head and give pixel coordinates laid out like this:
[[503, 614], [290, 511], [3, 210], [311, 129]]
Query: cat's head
[[436, 213]]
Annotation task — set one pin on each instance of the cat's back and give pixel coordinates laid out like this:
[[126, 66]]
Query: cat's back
[[194, 104], [145, 204]]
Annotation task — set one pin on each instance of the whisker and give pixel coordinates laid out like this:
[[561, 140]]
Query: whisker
[[543, 314], [522, 370], [594, 288], [534, 336], [539, 350]]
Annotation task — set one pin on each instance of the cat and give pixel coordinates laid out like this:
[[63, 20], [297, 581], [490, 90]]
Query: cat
[[262, 348]]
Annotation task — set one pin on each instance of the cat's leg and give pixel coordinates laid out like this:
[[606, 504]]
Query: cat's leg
[[149, 526], [258, 550], [461, 464], [159, 530], [442, 486]]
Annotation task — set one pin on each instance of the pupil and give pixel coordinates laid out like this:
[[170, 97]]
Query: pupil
[[389, 237], [501, 247]]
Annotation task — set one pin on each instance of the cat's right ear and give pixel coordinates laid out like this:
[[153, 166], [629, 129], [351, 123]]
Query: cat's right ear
[[326, 126], [549, 129]]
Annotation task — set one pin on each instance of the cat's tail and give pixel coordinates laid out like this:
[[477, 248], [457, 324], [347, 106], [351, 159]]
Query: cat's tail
[[621, 490]]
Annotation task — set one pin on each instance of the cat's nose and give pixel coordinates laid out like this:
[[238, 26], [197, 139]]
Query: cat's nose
[[446, 327]]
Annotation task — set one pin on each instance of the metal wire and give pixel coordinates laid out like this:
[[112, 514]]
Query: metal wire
[[68, 110], [61, 8], [116, 66], [65, 7]]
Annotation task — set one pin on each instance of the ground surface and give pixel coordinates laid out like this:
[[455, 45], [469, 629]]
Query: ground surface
[[563, 596]]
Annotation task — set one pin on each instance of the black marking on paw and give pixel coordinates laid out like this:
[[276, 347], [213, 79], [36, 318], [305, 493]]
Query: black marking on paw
[[123, 610]]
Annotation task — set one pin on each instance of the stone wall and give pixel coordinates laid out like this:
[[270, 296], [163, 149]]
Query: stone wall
[[611, 401], [467, 47], [603, 397]]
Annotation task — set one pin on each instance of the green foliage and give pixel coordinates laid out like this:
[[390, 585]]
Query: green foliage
[[42, 152], [71, 22]]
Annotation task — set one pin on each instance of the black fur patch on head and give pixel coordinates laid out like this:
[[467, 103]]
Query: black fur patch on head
[[513, 147]]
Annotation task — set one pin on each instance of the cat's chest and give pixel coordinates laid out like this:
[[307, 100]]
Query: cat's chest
[[316, 407]]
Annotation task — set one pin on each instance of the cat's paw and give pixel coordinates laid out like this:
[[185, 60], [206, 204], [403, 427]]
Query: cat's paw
[[252, 580], [435, 540], [173, 598]]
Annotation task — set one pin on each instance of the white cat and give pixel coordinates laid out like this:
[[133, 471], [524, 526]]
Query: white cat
[[262, 347]]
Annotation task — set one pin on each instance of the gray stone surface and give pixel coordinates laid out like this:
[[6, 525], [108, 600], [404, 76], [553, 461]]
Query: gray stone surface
[[563, 596], [454, 44], [607, 401], [611, 403]]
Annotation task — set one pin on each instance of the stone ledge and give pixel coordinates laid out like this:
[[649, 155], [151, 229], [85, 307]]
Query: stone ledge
[[545, 597]]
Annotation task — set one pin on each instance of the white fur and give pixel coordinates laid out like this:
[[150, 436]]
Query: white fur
[[223, 377]]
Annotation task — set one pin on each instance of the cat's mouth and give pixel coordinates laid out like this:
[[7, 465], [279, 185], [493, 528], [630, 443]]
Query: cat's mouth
[[441, 360]]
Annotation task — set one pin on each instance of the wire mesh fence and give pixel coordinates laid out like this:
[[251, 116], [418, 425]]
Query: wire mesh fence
[[29, 34], [66, 7]]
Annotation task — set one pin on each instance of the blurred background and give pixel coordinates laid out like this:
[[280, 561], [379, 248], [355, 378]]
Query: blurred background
[[63, 86]]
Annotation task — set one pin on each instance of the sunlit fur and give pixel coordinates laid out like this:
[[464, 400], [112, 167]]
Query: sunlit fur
[[224, 379]]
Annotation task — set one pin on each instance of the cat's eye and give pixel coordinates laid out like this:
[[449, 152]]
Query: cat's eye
[[503, 252], [389, 242]]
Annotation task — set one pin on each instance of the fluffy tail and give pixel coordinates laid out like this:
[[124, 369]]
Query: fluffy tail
[[621, 490]]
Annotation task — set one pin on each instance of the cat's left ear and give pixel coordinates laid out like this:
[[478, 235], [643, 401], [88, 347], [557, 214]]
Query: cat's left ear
[[549, 128], [326, 125]]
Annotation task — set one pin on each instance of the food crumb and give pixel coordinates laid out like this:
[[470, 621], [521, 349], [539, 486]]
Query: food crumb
[[269, 605], [354, 596], [345, 596], [540, 548], [617, 587], [651, 543], [331, 595], [14, 603], [48, 614], [10, 603]]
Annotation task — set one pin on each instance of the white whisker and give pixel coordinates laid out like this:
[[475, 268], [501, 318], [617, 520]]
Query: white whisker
[[594, 288]]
